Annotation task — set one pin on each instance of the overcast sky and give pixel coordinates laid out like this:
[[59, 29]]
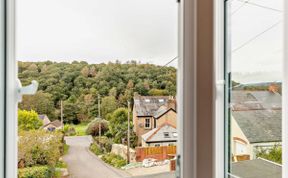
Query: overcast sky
[[259, 59], [143, 30], [97, 30]]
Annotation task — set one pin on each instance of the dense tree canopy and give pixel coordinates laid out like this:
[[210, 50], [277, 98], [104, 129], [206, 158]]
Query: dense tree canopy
[[79, 83]]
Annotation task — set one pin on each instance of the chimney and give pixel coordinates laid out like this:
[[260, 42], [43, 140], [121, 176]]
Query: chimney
[[273, 88], [172, 103]]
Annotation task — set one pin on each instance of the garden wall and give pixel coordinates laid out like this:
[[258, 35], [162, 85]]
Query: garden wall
[[121, 150]]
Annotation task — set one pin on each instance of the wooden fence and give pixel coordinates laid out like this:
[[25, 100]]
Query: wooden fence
[[159, 153]]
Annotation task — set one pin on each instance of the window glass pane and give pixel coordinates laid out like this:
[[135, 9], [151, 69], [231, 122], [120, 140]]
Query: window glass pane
[[107, 83], [254, 66]]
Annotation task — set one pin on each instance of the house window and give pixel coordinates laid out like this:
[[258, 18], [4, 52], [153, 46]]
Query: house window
[[171, 144], [240, 148], [157, 145], [147, 123], [166, 135]]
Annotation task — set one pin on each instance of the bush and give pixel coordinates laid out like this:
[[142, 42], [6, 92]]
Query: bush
[[39, 147], [96, 149], [61, 164], [69, 130], [105, 143], [273, 154], [93, 127], [28, 120], [35, 172], [114, 160]]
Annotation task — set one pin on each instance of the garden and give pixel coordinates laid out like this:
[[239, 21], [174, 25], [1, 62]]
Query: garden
[[39, 151]]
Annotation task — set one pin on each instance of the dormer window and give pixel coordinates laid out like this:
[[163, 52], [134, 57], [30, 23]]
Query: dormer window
[[147, 100]]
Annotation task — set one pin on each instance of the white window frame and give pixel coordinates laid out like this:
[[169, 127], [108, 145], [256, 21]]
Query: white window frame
[[201, 150], [285, 95], [11, 93], [190, 147], [2, 87]]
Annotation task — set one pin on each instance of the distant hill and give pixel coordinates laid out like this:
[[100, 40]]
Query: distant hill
[[257, 86], [79, 83]]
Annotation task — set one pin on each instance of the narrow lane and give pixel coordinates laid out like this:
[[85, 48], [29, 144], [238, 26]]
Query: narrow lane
[[84, 164]]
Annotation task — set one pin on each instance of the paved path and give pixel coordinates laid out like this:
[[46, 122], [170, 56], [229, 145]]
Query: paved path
[[84, 164]]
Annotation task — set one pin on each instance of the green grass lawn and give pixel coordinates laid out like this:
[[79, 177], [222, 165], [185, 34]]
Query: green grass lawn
[[81, 129]]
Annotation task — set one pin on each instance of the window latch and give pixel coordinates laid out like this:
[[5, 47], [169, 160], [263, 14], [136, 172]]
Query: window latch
[[26, 90]]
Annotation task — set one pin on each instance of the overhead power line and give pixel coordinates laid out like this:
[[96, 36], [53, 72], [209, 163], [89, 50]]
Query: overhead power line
[[170, 61], [259, 5], [240, 7], [256, 36]]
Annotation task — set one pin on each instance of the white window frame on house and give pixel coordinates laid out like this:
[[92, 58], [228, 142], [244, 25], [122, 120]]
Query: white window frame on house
[[200, 91]]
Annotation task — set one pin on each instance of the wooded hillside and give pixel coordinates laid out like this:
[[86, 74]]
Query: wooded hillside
[[79, 83]]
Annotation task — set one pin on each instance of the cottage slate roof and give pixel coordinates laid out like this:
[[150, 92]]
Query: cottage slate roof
[[269, 100], [149, 105], [257, 168], [157, 134], [260, 125], [55, 123], [248, 100]]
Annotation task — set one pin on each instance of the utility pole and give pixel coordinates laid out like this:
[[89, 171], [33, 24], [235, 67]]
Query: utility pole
[[128, 135], [99, 116], [61, 103]]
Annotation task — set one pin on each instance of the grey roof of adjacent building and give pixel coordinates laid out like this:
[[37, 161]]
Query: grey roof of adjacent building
[[149, 105], [55, 123], [260, 126], [245, 100], [258, 168], [157, 134], [269, 100]]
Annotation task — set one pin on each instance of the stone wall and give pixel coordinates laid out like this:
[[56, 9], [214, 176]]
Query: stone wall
[[121, 150]]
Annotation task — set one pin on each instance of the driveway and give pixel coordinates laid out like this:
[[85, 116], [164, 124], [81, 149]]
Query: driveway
[[84, 164]]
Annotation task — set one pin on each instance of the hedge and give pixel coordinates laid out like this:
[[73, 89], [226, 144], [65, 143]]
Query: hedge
[[114, 160], [35, 172]]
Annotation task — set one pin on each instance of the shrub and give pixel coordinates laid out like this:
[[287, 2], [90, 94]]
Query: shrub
[[35, 172], [69, 130], [114, 160], [61, 164], [273, 154], [96, 149], [93, 127], [105, 143], [28, 120], [39, 147]]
